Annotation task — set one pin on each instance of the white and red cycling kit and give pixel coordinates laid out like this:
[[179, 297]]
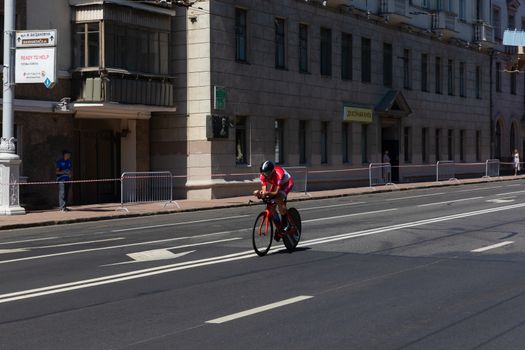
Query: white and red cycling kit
[[280, 178]]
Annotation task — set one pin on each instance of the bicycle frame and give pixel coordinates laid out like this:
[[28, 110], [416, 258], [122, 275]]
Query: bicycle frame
[[271, 209]]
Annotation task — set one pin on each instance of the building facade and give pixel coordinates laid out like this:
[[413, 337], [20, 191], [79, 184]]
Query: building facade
[[332, 85], [212, 90]]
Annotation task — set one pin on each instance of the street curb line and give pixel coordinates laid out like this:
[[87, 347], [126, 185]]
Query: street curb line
[[237, 205]]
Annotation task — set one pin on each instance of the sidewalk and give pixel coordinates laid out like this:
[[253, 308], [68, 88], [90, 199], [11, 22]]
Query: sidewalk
[[96, 212]]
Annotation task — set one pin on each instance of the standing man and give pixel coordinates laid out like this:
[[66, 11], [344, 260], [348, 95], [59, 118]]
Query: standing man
[[63, 174], [387, 176], [516, 162]]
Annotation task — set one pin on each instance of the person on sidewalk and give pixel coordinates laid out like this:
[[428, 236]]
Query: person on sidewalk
[[516, 162], [386, 168], [63, 176]]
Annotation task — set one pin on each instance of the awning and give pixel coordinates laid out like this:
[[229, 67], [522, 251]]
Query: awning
[[136, 5], [108, 110], [393, 104]]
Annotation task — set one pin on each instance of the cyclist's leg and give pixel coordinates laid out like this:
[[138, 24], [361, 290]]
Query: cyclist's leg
[[281, 201]]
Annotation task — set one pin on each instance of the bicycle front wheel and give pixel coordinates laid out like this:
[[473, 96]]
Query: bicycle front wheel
[[262, 234]]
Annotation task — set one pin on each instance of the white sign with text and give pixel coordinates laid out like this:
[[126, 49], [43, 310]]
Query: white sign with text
[[35, 66]]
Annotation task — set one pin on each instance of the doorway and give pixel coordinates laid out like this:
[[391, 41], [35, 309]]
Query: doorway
[[390, 142]]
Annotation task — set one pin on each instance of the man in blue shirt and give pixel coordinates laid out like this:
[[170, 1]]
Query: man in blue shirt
[[63, 174]]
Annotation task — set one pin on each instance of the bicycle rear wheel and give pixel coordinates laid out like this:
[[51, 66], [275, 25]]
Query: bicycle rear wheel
[[262, 234], [292, 240]]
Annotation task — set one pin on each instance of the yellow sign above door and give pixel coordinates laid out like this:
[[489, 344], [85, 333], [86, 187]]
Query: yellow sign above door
[[358, 115]]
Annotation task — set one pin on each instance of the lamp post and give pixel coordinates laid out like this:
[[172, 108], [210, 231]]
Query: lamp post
[[9, 160]]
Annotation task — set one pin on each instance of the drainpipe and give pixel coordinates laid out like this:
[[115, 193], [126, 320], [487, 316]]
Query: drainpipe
[[491, 103]]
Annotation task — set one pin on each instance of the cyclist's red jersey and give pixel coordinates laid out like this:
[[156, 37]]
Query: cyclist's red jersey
[[279, 179]]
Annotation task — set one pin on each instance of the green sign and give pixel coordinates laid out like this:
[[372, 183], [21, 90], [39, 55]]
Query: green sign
[[220, 98]]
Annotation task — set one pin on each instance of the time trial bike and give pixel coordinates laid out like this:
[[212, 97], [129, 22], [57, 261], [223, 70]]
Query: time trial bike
[[268, 225]]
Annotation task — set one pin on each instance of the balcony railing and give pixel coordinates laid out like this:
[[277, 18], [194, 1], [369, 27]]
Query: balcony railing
[[483, 34], [124, 90], [445, 23], [394, 11]]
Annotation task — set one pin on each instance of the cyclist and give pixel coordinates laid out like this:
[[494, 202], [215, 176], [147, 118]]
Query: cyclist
[[281, 184]]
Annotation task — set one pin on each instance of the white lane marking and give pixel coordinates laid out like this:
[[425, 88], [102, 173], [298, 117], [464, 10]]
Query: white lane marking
[[419, 196], [106, 248], [180, 223], [513, 185], [450, 201], [349, 215], [74, 243], [494, 246], [151, 255], [330, 206], [407, 225], [260, 309], [32, 293], [506, 193], [182, 246], [499, 200], [479, 189], [9, 251], [28, 240]]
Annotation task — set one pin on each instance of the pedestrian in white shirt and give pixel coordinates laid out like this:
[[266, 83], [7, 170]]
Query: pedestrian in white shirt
[[516, 162]]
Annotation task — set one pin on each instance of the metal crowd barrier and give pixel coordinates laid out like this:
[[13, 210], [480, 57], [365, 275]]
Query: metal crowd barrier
[[380, 174], [492, 167], [446, 170], [300, 178], [144, 187]]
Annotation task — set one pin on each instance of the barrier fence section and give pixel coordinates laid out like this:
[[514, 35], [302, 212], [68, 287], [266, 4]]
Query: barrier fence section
[[492, 167], [445, 170], [143, 187], [300, 178], [379, 174]]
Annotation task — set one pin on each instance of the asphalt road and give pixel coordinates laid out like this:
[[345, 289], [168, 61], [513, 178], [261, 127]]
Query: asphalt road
[[440, 268]]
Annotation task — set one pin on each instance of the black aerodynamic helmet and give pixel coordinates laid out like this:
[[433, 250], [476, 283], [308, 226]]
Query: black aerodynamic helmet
[[267, 168]]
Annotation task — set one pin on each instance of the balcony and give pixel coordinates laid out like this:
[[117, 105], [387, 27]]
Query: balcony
[[124, 90], [484, 34], [394, 11], [444, 23]]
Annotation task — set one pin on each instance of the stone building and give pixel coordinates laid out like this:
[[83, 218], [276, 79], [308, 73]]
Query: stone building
[[210, 91], [331, 85]]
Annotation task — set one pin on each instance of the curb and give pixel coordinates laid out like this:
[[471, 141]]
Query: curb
[[237, 205]]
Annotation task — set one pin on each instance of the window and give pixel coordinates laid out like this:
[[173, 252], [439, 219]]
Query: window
[[241, 141], [478, 82], [424, 143], [87, 45], [511, 22], [438, 75], [279, 44], [462, 145], [303, 48], [498, 76], [302, 142], [450, 139], [450, 77], [345, 142], [326, 52], [241, 41], [424, 72], [387, 64], [279, 141], [366, 56], [513, 78], [462, 79], [346, 56], [407, 136], [438, 144], [462, 10], [478, 145], [151, 48], [364, 143], [324, 142], [406, 69], [512, 140], [496, 22]]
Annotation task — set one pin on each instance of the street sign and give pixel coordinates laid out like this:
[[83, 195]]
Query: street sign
[[36, 65], [36, 38]]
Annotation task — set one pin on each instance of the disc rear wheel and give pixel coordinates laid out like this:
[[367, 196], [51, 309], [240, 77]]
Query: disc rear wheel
[[292, 239]]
